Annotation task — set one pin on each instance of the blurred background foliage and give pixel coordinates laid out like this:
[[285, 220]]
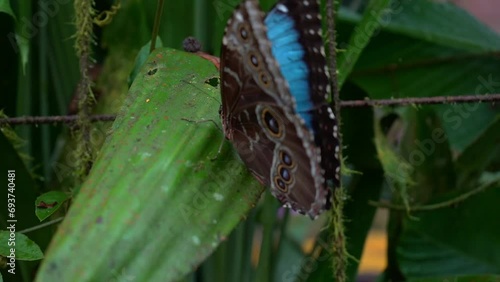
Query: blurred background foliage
[[413, 156]]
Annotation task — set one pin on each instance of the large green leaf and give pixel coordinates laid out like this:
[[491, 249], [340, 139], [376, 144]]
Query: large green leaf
[[24, 248], [424, 20], [425, 147], [5, 8], [361, 37], [423, 58], [476, 158], [452, 239], [155, 203], [455, 240], [419, 55]]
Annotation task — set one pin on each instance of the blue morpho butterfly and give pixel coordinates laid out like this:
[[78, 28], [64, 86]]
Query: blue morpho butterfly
[[274, 102]]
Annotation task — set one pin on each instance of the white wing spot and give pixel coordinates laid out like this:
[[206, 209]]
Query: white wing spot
[[306, 3], [282, 8], [332, 116], [322, 50], [238, 16]]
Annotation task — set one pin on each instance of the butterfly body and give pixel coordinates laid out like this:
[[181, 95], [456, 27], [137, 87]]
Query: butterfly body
[[274, 108]]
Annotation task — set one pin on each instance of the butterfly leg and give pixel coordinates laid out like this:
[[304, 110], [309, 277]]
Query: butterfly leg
[[203, 121], [216, 125]]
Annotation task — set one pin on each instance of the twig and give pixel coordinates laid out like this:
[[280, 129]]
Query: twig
[[422, 101], [53, 119], [40, 226], [444, 204], [156, 26], [70, 119], [338, 246], [84, 21]]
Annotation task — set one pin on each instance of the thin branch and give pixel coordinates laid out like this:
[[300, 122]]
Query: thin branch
[[40, 226], [422, 101], [53, 119], [156, 26], [338, 246], [84, 40], [436, 206], [70, 119]]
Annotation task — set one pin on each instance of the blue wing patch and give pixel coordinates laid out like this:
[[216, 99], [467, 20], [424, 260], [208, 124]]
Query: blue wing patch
[[289, 53]]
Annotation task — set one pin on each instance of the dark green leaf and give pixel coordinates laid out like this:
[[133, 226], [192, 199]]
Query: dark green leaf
[[455, 240], [154, 193], [141, 58], [5, 8], [476, 158], [425, 147], [18, 245], [458, 29], [49, 203], [360, 38]]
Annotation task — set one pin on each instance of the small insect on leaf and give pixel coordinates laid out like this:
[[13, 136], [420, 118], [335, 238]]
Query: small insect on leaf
[[44, 205]]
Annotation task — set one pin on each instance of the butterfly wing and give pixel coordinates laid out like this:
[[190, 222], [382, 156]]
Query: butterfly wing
[[277, 137], [280, 152], [294, 28]]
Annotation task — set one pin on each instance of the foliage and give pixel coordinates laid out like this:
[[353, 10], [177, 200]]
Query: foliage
[[156, 206]]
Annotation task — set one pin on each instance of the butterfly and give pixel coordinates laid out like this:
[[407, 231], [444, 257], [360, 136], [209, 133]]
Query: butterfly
[[274, 89]]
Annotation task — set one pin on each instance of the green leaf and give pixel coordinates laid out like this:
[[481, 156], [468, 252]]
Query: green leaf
[[465, 123], [455, 240], [155, 203], [6, 8], [396, 65], [403, 60], [360, 38], [425, 147], [476, 158], [18, 245], [424, 20], [458, 29], [141, 58], [49, 203]]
